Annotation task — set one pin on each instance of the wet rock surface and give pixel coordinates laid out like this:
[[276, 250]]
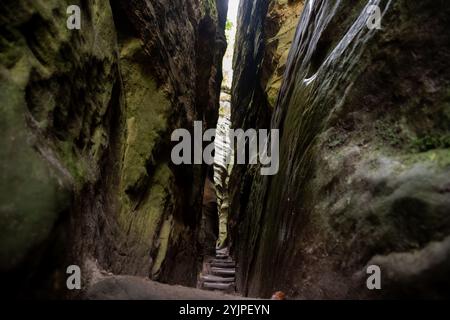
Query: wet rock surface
[[364, 166]]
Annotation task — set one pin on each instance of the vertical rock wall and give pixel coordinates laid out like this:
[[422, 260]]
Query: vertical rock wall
[[364, 158], [87, 117], [265, 33]]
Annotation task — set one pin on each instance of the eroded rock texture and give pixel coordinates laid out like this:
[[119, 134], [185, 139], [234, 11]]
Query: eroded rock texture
[[264, 34], [364, 155], [85, 146]]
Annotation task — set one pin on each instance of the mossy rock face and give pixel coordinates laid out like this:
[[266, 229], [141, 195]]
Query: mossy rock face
[[280, 25], [147, 116], [170, 64], [364, 161], [146, 181], [88, 118], [148, 226], [55, 92], [34, 187]]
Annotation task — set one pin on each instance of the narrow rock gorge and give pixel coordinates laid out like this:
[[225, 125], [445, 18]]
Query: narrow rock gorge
[[86, 151]]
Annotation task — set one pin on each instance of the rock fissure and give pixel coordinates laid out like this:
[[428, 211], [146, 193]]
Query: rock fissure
[[87, 177]]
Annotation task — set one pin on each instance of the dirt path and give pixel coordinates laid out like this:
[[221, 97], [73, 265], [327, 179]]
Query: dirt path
[[136, 288]]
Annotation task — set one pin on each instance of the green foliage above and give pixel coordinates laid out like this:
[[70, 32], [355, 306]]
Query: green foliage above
[[228, 25]]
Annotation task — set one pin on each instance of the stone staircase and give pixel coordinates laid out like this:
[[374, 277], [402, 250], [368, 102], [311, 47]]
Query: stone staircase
[[218, 273]]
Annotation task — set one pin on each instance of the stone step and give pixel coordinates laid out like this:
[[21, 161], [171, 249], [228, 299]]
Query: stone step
[[218, 272], [222, 264], [222, 256], [218, 286], [221, 261], [212, 278], [223, 271], [223, 251]]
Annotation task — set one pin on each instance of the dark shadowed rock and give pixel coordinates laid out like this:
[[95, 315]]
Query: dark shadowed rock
[[88, 114], [364, 158]]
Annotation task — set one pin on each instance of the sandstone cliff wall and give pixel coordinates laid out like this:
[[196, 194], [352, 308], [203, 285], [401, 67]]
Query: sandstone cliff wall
[[85, 147], [364, 158]]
